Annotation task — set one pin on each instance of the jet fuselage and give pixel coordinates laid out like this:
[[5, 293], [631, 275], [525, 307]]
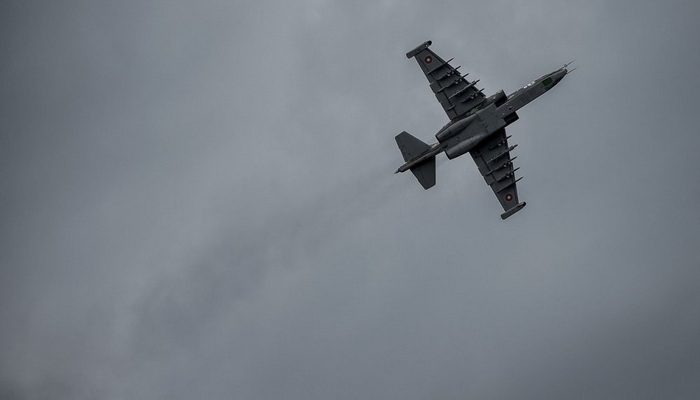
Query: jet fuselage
[[496, 112], [460, 136]]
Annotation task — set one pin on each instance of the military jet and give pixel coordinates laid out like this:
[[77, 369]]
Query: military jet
[[477, 125]]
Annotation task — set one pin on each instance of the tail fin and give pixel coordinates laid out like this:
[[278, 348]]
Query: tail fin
[[412, 147]]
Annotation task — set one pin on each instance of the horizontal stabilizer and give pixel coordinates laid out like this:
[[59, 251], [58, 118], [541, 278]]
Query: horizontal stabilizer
[[425, 173]]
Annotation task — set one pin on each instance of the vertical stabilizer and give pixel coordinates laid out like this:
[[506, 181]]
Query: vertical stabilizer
[[410, 146]]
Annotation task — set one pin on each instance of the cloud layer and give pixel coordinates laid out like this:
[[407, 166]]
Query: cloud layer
[[198, 201]]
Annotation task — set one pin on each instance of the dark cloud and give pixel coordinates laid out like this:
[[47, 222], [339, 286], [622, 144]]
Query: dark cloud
[[198, 201]]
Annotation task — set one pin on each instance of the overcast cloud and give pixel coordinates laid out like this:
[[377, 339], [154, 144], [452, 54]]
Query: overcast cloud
[[197, 200]]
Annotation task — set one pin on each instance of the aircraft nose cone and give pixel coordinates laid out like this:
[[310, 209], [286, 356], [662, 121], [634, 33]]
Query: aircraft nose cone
[[559, 75]]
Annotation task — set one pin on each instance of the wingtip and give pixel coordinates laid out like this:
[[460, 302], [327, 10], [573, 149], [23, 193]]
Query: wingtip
[[419, 48], [513, 210]]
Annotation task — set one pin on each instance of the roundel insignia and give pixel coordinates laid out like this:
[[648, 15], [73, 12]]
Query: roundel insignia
[[428, 59], [509, 197]]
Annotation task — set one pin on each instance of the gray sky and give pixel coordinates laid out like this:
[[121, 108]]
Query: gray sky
[[198, 201]]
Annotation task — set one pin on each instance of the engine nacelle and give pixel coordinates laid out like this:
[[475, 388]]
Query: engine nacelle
[[465, 145], [454, 129], [484, 123]]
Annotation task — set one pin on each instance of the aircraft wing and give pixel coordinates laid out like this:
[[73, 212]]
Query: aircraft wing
[[492, 157], [456, 94]]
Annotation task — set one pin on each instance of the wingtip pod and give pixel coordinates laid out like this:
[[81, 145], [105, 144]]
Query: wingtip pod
[[513, 210], [418, 49]]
